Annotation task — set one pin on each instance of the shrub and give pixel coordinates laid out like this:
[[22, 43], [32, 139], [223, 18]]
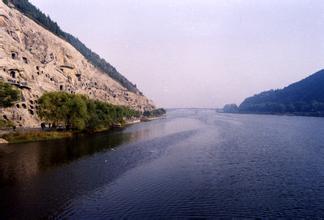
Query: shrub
[[6, 124], [8, 95], [155, 113]]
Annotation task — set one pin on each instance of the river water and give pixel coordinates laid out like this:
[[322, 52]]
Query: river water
[[192, 163]]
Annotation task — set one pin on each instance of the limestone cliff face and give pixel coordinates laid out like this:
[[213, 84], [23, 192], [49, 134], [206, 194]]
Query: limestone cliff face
[[36, 61]]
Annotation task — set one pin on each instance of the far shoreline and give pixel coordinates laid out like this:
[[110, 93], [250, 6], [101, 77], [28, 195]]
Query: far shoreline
[[299, 114]]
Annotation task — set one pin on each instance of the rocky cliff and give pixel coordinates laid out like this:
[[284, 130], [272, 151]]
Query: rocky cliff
[[35, 61]]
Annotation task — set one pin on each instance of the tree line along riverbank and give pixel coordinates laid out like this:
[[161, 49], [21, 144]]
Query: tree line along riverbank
[[65, 115]]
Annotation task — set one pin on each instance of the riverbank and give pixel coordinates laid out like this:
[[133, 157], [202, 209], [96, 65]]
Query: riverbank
[[304, 114], [33, 135], [147, 119]]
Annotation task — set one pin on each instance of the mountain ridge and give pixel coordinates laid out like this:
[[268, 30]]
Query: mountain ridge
[[31, 11], [36, 61], [305, 97]]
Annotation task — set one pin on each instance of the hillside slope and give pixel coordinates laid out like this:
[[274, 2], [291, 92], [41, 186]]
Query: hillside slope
[[36, 61], [35, 14], [305, 97]]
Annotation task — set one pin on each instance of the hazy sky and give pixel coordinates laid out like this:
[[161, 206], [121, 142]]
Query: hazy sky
[[199, 53]]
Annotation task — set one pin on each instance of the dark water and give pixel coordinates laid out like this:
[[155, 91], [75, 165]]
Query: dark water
[[194, 163]]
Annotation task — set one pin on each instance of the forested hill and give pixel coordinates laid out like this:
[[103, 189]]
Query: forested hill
[[34, 13], [305, 97]]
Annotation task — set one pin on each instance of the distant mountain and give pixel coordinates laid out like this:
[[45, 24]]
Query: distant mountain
[[230, 108], [28, 9], [305, 97]]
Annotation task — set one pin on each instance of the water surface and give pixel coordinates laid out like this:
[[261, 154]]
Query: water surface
[[193, 163]]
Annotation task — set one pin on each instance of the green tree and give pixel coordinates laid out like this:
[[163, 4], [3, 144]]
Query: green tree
[[80, 113], [8, 95], [53, 107], [77, 113]]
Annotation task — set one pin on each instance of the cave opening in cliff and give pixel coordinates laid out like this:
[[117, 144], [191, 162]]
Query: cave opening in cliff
[[14, 55], [31, 111], [79, 77], [13, 74], [61, 87], [25, 60]]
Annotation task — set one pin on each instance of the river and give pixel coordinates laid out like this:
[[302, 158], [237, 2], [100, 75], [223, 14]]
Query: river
[[194, 163]]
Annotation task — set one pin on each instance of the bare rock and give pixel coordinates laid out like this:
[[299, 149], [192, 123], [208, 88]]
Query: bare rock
[[44, 62], [3, 141]]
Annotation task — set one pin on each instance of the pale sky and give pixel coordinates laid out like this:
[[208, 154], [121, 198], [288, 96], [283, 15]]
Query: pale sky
[[199, 53]]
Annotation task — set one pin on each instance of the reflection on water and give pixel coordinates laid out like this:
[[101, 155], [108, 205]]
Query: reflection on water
[[48, 174], [194, 163], [22, 161]]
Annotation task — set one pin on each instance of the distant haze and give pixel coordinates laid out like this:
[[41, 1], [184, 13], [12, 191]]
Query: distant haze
[[199, 53]]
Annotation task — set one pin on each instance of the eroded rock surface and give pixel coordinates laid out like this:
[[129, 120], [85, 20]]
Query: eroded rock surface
[[36, 61], [3, 141]]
